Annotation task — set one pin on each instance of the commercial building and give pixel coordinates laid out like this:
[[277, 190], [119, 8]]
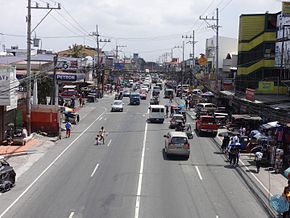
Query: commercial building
[[256, 55]]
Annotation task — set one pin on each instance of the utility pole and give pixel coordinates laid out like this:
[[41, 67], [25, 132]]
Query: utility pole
[[192, 42], [29, 32], [216, 29], [28, 91], [54, 94], [98, 40]]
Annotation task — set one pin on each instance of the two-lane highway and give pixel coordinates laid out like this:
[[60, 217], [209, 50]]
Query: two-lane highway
[[129, 176]]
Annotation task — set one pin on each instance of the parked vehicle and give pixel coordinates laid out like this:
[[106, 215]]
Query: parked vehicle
[[176, 143], [206, 124], [7, 175], [134, 98], [70, 93], [156, 113], [117, 105]]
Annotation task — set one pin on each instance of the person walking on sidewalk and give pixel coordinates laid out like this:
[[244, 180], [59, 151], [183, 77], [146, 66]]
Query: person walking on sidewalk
[[68, 128], [286, 194], [258, 159]]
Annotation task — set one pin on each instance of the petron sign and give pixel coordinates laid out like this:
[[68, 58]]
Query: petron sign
[[66, 77]]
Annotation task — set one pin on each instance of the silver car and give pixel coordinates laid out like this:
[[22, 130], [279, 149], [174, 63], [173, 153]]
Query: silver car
[[117, 105], [176, 143]]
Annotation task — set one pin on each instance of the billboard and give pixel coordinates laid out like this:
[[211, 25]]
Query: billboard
[[286, 8], [8, 86], [283, 25]]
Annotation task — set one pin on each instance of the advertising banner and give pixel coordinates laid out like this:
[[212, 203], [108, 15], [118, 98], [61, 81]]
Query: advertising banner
[[283, 24], [8, 86], [286, 8], [266, 86]]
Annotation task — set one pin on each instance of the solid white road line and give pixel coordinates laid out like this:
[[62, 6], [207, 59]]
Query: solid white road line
[[255, 177], [101, 118], [94, 171], [197, 170], [71, 214], [48, 167], [137, 205], [109, 143]]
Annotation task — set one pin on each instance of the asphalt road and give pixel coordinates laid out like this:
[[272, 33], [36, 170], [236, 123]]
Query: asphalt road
[[129, 176]]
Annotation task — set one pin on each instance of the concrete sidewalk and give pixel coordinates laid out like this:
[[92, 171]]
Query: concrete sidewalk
[[272, 183]]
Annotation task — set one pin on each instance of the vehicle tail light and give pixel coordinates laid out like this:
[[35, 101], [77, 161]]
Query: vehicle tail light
[[186, 145]]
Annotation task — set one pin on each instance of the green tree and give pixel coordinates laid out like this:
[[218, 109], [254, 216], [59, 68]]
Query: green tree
[[45, 86], [76, 50]]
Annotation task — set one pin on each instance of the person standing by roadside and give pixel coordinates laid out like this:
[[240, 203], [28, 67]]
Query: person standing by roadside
[[258, 159], [186, 103], [68, 128], [286, 194]]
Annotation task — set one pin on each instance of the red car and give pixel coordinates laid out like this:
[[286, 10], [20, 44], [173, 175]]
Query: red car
[[206, 124], [70, 93]]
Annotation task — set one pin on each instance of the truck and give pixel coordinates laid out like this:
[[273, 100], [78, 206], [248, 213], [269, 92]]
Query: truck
[[206, 124]]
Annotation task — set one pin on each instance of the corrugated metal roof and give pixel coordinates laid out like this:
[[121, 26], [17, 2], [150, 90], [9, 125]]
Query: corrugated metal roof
[[8, 60]]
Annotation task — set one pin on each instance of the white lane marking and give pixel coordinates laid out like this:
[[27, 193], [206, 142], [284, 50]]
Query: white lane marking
[[255, 177], [101, 118], [198, 172], [263, 186], [137, 205], [94, 171], [109, 143], [216, 216], [47, 168], [71, 214]]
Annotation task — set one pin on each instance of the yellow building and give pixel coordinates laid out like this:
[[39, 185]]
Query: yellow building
[[256, 54]]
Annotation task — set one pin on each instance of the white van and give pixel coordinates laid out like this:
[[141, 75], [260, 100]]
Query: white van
[[156, 113]]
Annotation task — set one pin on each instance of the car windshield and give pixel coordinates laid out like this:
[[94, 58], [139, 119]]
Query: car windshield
[[117, 103], [208, 120], [178, 140]]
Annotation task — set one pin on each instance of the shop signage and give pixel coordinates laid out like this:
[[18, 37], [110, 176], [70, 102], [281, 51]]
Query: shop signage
[[266, 86], [250, 94], [66, 77]]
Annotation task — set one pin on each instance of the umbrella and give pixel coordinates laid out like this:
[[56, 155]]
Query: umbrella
[[181, 105], [207, 94], [254, 132], [279, 203]]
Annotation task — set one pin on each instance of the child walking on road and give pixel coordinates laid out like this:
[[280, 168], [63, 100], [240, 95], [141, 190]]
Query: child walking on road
[[68, 128]]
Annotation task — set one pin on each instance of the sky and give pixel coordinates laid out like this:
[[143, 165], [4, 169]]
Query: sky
[[150, 28]]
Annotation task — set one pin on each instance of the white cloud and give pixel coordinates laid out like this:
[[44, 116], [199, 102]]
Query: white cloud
[[131, 19]]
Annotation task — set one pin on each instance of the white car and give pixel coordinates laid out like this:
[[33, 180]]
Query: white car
[[117, 105]]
